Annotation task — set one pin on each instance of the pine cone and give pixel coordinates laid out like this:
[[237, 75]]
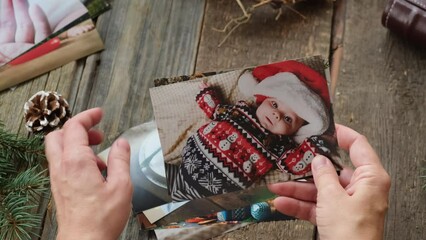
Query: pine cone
[[46, 111]]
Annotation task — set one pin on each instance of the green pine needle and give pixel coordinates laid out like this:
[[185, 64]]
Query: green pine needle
[[29, 184], [24, 150], [16, 218], [23, 181]]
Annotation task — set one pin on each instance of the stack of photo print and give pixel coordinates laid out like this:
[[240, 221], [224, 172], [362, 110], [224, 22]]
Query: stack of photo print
[[220, 138], [38, 36]]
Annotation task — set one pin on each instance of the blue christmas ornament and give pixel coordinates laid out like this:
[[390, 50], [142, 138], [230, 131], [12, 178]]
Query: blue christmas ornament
[[261, 211], [238, 214]]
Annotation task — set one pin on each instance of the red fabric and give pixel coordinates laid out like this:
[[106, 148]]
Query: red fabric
[[298, 161], [295, 161], [309, 76], [260, 99], [207, 101], [241, 147]]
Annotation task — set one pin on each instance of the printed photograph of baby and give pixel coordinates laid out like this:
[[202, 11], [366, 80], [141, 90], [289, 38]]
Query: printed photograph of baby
[[25, 23], [75, 43], [244, 128]]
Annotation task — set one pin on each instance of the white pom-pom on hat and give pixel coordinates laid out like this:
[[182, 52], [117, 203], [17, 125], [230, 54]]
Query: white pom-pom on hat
[[246, 84]]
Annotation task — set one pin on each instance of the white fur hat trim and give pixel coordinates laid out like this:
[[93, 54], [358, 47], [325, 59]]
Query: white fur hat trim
[[287, 87]]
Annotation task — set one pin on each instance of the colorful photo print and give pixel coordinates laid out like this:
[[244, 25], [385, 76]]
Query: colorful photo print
[[244, 128], [218, 222], [77, 42], [257, 212], [25, 23]]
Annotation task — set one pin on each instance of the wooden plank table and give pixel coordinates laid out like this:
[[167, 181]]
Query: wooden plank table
[[380, 91]]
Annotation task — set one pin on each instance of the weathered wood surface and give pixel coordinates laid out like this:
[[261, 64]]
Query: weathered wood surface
[[282, 230], [263, 39], [381, 93]]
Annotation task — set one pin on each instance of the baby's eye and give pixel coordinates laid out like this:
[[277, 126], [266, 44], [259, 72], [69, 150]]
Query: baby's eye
[[274, 105], [288, 119]]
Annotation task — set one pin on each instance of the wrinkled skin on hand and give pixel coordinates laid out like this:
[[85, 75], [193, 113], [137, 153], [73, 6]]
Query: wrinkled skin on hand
[[352, 205], [88, 206]]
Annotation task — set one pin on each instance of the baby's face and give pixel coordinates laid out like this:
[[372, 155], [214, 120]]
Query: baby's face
[[278, 118]]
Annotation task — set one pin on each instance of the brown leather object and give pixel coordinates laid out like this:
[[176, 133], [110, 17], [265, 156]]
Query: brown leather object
[[406, 18]]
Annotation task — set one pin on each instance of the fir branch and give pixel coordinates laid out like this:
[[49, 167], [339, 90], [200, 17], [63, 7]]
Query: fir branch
[[29, 151], [7, 168], [29, 184], [23, 181], [16, 218]]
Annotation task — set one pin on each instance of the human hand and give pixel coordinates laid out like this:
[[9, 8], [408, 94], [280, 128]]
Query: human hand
[[88, 205], [350, 206], [21, 26]]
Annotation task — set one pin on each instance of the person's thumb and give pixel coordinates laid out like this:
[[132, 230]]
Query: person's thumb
[[325, 176], [119, 164]]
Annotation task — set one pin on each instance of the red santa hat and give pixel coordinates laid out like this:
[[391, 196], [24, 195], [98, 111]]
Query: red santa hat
[[299, 86]]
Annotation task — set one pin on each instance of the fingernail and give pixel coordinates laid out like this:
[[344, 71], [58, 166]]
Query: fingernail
[[122, 143], [319, 162]]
